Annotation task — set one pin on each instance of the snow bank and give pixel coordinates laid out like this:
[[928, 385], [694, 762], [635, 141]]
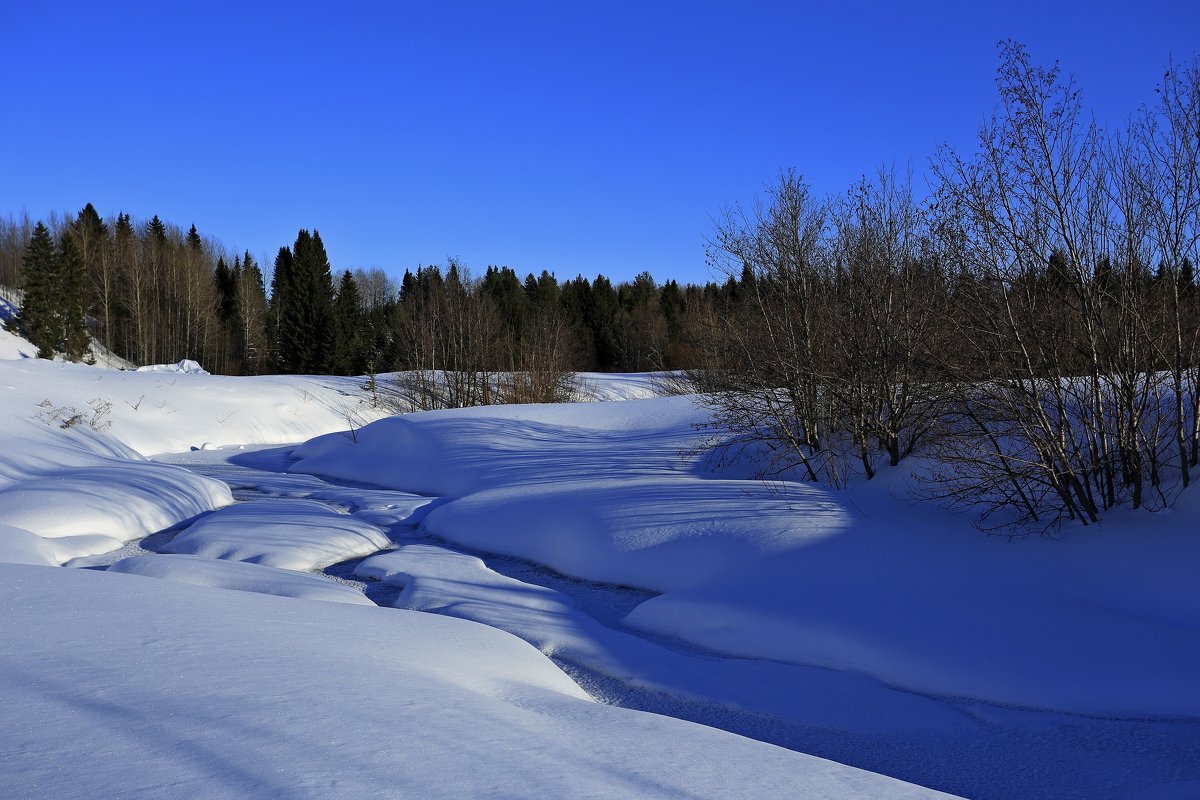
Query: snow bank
[[185, 367], [19, 546], [658, 533], [13, 346], [290, 534], [158, 412], [607, 386], [88, 493], [332, 700], [1101, 622], [240, 576], [457, 452]]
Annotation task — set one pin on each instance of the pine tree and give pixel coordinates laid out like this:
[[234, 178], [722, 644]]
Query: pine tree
[[350, 357], [54, 312], [95, 249], [281, 297], [225, 280], [304, 296], [39, 316], [73, 299], [603, 315]]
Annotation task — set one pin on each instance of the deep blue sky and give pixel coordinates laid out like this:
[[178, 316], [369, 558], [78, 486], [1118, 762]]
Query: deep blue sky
[[560, 135]]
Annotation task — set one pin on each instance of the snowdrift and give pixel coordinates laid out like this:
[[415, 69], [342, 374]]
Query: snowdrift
[[82, 493], [1100, 622], [239, 576], [207, 694]]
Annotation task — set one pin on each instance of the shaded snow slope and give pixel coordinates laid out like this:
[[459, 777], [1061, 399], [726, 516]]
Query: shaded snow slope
[[1101, 622], [204, 693], [239, 576]]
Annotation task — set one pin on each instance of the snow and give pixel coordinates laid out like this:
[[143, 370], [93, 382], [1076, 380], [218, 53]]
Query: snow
[[171, 411], [1098, 623], [206, 693], [290, 534], [437, 579], [87, 493], [185, 367], [851, 623], [12, 346], [239, 576], [606, 386], [19, 546]]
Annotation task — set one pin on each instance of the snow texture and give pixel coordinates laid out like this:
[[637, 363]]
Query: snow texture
[[239, 576], [206, 694], [1100, 622], [883, 632], [289, 534], [185, 367], [86, 493]]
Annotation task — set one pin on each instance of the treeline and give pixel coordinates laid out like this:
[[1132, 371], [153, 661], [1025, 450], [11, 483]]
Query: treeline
[[1033, 328], [152, 292], [149, 292]]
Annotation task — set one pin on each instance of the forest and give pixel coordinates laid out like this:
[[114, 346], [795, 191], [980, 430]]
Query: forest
[[152, 292]]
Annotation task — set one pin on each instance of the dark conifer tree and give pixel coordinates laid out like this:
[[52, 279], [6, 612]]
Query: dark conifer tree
[[576, 298], [73, 300], [39, 316], [156, 231], [304, 322], [281, 296], [408, 286], [603, 315], [54, 312], [95, 248], [225, 280], [350, 356]]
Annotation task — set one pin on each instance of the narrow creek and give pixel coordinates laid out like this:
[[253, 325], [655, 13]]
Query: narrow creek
[[964, 747]]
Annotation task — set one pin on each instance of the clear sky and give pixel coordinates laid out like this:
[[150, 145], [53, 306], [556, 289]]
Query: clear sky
[[569, 136]]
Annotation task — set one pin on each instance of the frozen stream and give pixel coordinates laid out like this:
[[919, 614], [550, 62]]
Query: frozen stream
[[964, 747]]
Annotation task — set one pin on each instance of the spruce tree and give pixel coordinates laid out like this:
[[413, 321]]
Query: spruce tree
[[54, 312], [156, 231], [304, 298], [225, 281], [73, 299], [39, 316], [281, 297], [95, 248], [350, 355]]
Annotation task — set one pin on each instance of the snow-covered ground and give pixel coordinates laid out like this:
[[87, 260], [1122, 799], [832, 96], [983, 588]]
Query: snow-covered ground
[[1099, 622], [250, 663], [117, 686]]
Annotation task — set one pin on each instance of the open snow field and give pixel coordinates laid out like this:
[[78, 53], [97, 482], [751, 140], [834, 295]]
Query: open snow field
[[239, 650]]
